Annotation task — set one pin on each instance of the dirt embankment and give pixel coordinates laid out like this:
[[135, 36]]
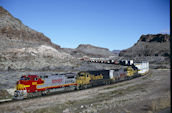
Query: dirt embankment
[[147, 94]]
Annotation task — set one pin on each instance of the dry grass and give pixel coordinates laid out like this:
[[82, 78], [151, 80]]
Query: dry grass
[[157, 105]]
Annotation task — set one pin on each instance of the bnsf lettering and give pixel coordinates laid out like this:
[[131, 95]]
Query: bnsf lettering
[[57, 81]]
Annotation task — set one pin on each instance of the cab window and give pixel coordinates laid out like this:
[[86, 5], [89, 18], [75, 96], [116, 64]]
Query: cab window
[[26, 78], [35, 79], [81, 74]]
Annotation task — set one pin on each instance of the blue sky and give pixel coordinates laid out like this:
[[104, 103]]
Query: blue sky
[[113, 24]]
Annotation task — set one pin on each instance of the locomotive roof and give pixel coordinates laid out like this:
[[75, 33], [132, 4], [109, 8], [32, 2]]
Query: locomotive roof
[[122, 67], [67, 74]]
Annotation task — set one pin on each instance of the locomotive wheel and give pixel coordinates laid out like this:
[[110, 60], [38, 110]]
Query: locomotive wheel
[[77, 88], [85, 86], [30, 95], [106, 83], [44, 93], [109, 82], [81, 87]]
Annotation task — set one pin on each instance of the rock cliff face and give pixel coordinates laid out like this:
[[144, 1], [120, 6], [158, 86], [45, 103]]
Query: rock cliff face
[[13, 34], [149, 45], [22, 48], [90, 51], [152, 48], [161, 38]]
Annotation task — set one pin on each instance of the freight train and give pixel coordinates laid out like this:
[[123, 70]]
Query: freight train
[[38, 85]]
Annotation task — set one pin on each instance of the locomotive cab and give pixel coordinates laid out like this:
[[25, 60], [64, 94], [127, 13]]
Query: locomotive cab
[[21, 91], [26, 84]]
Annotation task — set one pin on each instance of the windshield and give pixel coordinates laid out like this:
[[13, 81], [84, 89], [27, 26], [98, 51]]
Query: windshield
[[24, 78]]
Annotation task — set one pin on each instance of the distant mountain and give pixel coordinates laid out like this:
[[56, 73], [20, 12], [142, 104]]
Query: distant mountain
[[116, 52], [149, 45], [90, 51]]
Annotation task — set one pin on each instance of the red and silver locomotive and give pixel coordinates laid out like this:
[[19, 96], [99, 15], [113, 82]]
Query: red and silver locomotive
[[34, 85]]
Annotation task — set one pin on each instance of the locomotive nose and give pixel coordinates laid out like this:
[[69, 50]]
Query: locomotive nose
[[20, 86]]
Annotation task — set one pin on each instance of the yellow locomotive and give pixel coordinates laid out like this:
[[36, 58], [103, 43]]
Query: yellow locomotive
[[100, 77]]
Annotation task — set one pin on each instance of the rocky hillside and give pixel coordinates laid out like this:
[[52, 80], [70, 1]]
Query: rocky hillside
[[154, 48], [14, 34], [149, 45], [35, 58], [90, 51], [22, 48]]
